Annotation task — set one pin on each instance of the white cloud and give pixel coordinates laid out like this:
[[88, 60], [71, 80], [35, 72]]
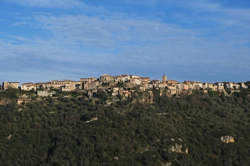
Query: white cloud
[[207, 10], [223, 15], [78, 38], [112, 31], [119, 42]]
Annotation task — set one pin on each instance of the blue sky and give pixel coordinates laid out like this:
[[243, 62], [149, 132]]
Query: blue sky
[[205, 40]]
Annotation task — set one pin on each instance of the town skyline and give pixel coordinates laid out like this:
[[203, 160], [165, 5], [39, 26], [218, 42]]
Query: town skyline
[[128, 84], [98, 76]]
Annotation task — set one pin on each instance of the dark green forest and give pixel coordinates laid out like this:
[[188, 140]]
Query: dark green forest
[[73, 131]]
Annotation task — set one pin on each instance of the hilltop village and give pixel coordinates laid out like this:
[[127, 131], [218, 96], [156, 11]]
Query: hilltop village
[[126, 86], [125, 120]]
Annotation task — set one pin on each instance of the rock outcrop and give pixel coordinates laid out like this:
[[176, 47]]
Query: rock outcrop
[[227, 139]]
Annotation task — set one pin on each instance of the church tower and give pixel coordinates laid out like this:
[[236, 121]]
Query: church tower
[[164, 78]]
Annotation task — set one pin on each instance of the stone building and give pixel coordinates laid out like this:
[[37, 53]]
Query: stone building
[[211, 86], [91, 79], [204, 85], [243, 85], [236, 86], [59, 84], [122, 78], [135, 77], [28, 87], [145, 80], [106, 78], [232, 85], [7, 85], [91, 85], [155, 83], [197, 85], [44, 93], [220, 86], [164, 78], [172, 90], [172, 82], [135, 81], [185, 86], [69, 87]]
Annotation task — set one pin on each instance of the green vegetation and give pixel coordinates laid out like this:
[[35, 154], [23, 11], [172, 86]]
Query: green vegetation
[[56, 131], [9, 94]]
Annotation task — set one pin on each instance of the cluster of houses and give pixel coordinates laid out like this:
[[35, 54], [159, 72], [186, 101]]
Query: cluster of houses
[[125, 85]]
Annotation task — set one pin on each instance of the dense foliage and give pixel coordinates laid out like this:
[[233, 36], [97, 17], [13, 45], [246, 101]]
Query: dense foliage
[[59, 131]]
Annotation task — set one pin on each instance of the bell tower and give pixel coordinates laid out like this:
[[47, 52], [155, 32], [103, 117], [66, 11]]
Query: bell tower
[[164, 78]]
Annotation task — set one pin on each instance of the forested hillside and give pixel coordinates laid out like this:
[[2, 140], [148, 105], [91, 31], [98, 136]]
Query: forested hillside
[[72, 131]]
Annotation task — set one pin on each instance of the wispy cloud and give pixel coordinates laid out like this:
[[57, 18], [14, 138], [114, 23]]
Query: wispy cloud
[[94, 43], [84, 44], [48, 3], [110, 31], [216, 11]]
